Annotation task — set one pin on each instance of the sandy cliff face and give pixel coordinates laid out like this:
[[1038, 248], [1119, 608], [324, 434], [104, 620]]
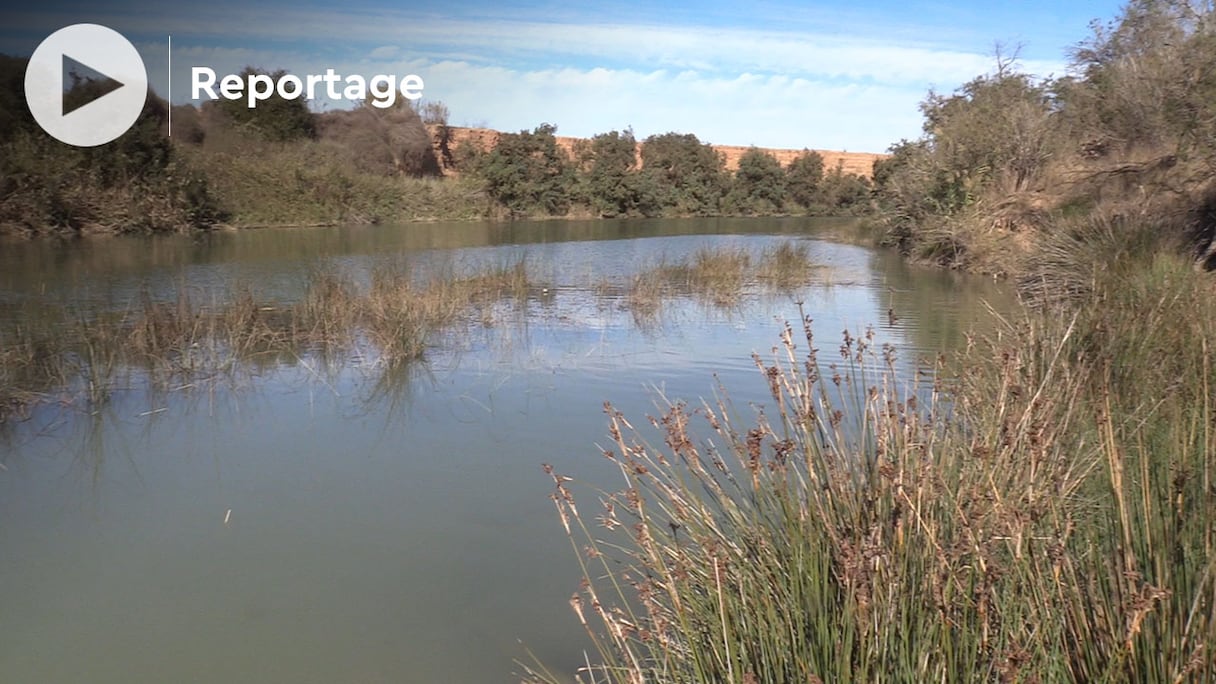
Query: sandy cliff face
[[861, 163]]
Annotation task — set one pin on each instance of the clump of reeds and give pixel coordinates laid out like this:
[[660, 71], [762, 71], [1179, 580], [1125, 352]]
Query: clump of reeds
[[31, 366], [400, 315], [503, 281], [182, 338], [786, 266], [719, 276], [647, 290], [1050, 520], [715, 274], [324, 316]]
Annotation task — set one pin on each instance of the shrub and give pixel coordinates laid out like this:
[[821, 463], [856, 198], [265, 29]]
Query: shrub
[[275, 118], [610, 178], [689, 175], [383, 141], [803, 176], [527, 172], [136, 183], [759, 185]]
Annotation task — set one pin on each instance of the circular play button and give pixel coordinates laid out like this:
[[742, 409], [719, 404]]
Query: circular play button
[[100, 64]]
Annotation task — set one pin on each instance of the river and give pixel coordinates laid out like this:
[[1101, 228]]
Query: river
[[322, 522]]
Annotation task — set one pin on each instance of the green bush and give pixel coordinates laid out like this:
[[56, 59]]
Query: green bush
[[843, 193], [610, 179], [527, 172], [759, 185], [803, 177], [690, 176], [275, 118]]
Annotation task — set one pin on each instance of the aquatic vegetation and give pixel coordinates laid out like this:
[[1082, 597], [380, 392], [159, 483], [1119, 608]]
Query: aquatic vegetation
[[720, 277], [391, 318], [173, 341]]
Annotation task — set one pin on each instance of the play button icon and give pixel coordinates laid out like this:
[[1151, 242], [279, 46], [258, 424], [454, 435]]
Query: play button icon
[[85, 85]]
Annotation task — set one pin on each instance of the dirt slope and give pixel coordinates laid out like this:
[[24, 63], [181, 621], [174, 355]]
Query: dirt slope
[[853, 162]]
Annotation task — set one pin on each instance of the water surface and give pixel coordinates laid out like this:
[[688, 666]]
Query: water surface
[[308, 523]]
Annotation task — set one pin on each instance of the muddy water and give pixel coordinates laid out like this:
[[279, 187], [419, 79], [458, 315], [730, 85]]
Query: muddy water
[[311, 522]]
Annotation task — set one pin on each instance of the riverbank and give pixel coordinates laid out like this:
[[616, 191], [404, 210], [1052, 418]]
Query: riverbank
[[1043, 180]]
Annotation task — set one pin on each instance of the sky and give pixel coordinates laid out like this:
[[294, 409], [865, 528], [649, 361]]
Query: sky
[[826, 75]]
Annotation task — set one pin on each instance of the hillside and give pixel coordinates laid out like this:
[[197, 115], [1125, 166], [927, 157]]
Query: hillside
[[860, 163]]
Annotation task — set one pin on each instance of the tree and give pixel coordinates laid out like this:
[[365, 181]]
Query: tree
[[995, 127], [390, 140], [690, 175], [1147, 80], [275, 118], [527, 172], [759, 185], [611, 180], [843, 193], [803, 176], [433, 113]]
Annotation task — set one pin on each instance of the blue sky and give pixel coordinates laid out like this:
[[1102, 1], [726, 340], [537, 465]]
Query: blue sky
[[776, 74]]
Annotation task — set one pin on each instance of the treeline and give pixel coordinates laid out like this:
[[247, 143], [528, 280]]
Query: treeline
[[284, 164], [1042, 178], [610, 175]]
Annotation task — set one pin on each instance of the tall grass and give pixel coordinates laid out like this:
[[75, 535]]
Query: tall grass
[[1046, 516]]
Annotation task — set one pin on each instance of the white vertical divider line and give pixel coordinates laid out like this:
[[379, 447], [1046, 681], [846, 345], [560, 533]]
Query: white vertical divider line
[[169, 95]]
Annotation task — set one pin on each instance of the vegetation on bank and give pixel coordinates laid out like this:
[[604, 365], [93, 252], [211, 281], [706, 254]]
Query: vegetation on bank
[[135, 184], [1044, 514], [672, 174], [1013, 169], [281, 164]]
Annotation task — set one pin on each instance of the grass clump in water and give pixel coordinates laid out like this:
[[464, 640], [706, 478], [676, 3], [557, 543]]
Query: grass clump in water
[[182, 339], [719, 276]]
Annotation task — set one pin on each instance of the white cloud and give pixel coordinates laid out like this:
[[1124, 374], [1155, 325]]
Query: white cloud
[[384, 52], [865, 54], [772, 88]]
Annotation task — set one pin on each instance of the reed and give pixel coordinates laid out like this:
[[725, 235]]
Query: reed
[[721, 277], [1044, 515], [189, 336]]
